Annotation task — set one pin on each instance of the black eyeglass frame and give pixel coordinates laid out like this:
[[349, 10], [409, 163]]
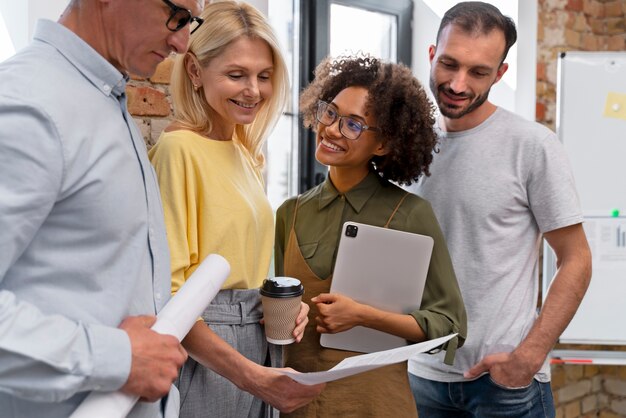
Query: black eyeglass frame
[[188, 20], [322, 104]]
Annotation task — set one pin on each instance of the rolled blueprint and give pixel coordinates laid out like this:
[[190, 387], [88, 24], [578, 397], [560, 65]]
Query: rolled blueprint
[[176, 318]]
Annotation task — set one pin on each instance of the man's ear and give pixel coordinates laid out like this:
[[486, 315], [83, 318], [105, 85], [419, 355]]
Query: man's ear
[[431, 53], [501, 70], [192, 66]]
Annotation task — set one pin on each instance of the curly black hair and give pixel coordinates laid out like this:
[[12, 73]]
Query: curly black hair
[[403, 112]]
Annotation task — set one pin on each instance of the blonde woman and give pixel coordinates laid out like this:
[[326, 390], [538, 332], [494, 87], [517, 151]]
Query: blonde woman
[[228, 92]]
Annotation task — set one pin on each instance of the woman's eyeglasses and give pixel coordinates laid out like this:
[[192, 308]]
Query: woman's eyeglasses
[[348, 126]]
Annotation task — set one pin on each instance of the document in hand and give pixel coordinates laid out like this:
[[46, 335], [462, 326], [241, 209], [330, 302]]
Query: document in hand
[[359, 364]]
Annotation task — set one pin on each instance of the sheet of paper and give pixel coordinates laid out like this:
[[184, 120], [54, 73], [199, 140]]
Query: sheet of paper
[[359, 364]]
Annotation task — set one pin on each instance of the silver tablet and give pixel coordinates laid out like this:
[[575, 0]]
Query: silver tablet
[[381, 267]]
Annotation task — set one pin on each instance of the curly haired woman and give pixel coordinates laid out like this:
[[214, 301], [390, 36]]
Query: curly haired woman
[[374, 125]]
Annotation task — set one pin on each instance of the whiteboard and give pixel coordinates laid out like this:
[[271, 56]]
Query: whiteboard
[[591, 123]]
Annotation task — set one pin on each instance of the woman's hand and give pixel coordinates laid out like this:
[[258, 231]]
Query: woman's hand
[[301, 322], [336, 313]]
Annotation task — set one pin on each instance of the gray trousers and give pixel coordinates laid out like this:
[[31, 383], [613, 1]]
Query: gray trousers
[[233, 315]]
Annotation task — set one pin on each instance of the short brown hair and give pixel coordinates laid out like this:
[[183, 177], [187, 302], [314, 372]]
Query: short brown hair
[[477, 17]]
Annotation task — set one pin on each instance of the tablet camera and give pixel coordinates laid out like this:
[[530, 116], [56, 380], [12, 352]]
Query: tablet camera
[[351, 231]]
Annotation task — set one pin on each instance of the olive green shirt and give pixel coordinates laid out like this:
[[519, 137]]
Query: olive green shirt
[[322, 212]]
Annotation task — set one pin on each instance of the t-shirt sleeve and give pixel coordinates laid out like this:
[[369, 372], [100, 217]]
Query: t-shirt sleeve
[[551, 188]]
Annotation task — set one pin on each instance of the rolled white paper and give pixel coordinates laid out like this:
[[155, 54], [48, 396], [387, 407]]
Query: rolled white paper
[[176, 318]]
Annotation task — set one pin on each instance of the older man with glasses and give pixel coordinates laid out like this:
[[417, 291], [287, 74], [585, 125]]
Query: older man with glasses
[[84, 263]]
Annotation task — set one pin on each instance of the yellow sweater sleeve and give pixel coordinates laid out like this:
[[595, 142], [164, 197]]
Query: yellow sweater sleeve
[[176, 184]]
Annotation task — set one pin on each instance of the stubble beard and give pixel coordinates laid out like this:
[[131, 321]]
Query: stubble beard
[[456, 112]]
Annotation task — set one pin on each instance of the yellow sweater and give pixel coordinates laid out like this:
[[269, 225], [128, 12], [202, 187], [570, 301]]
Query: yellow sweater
[[214, 202]]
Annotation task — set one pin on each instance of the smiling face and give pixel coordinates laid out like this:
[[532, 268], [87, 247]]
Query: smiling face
[[236, 84], [463, 69], [137, 38], [348, 157]]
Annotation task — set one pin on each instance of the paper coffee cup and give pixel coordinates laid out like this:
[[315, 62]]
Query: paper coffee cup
[[281, 297]]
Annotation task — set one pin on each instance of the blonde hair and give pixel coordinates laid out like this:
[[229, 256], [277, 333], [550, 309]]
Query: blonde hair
[[225, 22]]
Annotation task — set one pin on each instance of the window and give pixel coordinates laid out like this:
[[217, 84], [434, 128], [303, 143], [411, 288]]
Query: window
[[281, 170], [309, 31], [335, 26]]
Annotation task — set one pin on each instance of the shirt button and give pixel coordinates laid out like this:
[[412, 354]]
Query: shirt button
[[106, 88]]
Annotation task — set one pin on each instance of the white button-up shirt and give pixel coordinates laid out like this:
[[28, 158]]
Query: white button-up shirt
[[81, 227]]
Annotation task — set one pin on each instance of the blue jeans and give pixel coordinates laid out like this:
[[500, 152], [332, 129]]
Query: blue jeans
[[480, 398]]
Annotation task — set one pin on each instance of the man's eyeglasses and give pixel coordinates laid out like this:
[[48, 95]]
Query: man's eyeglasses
[[180, 17], [348, 126]]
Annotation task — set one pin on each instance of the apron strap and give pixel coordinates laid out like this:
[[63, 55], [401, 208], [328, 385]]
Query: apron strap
[[396, 209], [295, 212]]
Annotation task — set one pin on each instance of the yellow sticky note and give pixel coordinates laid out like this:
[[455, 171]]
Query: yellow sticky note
[[615, 106]]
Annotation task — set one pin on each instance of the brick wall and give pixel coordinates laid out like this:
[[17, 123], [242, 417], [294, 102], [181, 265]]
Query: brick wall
[[582, 25], [149, 102], [589, 391], [564, 25], [573, 25]]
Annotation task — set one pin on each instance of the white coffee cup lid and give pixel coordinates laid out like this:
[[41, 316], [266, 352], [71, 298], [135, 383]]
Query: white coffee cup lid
[[281, 287], [285, 281]]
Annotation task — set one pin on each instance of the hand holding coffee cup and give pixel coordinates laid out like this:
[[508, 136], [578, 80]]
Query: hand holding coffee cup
[[281, 297]]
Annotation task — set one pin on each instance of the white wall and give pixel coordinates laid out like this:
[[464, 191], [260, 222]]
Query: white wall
[[48, 9], [19, 18], [516, 90], [259, 4]]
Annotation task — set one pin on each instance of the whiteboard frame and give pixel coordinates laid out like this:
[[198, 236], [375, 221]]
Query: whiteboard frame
[[587, 111]]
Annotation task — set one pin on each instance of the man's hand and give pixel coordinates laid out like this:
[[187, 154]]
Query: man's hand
[[156, 359], [568, 287], [506, 369], [282, 392]]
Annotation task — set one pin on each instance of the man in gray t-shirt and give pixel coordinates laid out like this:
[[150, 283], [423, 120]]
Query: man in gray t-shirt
[[498, 184]]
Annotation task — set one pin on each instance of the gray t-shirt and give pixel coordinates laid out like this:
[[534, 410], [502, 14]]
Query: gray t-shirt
[[495, 189]]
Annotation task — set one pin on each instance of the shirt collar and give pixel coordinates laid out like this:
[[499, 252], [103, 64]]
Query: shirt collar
[[79, 53], [357, 197]]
